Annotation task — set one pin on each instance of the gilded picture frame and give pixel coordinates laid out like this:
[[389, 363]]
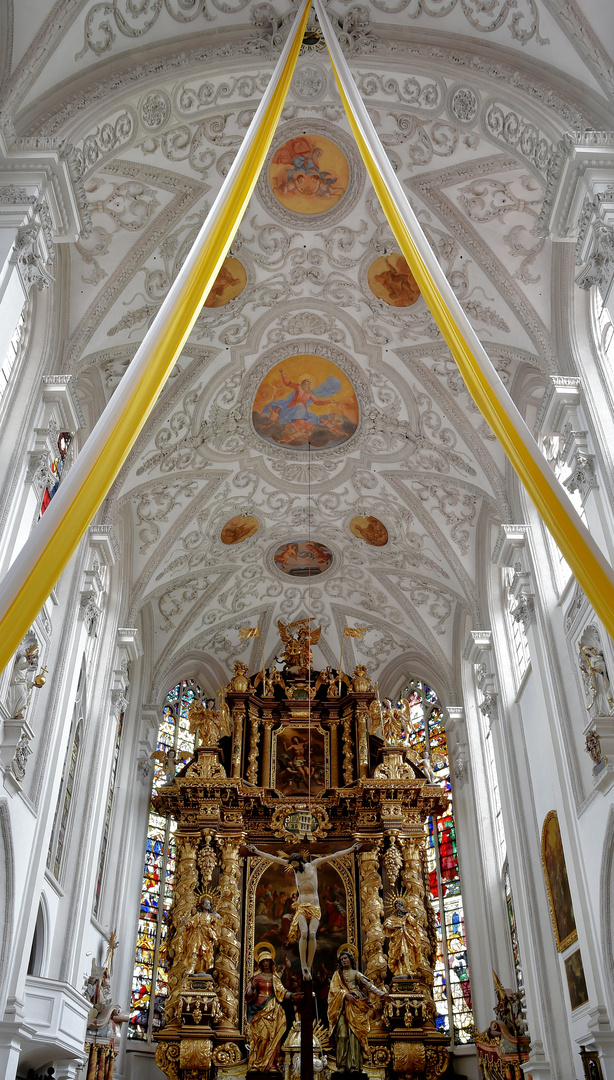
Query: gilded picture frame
[[300, 759], [557, 883], [341, 870]]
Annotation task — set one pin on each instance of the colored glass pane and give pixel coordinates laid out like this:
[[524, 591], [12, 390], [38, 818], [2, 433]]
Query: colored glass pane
[[452, 986], [148, 991], [509, 902]]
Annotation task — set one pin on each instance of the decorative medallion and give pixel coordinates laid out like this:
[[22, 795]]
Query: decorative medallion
[[239, 528], [390, 279], [299, 820], [309, 174], [305, 400], [303, 558], [229, 283], [370, 529]]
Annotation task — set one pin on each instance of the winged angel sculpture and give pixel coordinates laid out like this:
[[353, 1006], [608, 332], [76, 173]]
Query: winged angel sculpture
[[207, 723], [297, 655], [394, 720]]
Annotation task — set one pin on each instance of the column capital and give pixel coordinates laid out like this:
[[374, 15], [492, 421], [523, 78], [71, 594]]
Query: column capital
[[37, 172], [510, 545]]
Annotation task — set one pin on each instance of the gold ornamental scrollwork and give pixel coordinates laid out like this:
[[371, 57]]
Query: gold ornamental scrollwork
[[299, 821], [226, 1054], [167, 1059], [409, 1058], [195, 1054]]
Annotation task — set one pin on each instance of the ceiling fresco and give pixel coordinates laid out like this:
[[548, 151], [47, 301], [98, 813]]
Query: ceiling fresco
[[315, 419]]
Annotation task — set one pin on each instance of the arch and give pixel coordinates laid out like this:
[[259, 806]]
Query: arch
[[37, 964], [7, 895]]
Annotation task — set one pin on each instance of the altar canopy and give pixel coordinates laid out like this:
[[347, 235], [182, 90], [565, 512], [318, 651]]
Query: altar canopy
[[44, 557]]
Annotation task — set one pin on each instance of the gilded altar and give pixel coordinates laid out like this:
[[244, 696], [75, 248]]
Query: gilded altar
[[293, 765]]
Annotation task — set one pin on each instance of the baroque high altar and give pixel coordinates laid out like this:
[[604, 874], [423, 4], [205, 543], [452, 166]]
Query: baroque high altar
[[301, 938]]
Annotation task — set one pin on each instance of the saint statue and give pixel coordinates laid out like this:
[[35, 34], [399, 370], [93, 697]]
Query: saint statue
[[201, 937], [22, 681], [266, 1019], [348, 1011], [599, 700], [403, 957], [306, 918]]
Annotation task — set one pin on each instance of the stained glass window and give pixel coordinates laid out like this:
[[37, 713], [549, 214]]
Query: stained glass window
[[452, 988], [149, 993], [56, 467], [107, 816], [513, 929]]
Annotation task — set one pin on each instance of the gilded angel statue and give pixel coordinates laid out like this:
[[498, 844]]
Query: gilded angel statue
[[394, 720], [297, 653], [207, 723]]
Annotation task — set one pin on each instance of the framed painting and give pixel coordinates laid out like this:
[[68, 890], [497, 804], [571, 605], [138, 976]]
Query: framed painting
[[557, 883], [271, 892], [300, 760], [576, 983]]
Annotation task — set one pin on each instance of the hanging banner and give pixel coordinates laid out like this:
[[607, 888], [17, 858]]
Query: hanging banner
[[46, 553], [589, 565]]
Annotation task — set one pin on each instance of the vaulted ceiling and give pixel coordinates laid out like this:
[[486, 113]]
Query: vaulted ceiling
[[470, 100]]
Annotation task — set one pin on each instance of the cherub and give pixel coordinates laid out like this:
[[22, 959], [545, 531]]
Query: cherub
[[306, 919], [169, 761]]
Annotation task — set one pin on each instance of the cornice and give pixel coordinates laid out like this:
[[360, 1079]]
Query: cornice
[[555, 94]]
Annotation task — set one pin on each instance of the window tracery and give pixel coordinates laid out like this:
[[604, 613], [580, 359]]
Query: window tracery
[[149, 990], [452, 988]]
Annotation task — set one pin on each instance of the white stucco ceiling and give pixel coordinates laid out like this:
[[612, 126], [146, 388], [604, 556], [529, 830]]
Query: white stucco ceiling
[[470, 105]]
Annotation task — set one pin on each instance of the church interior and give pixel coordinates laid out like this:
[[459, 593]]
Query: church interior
[[306, 539]]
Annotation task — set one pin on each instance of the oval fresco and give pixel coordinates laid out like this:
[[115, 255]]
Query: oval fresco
[[305, 400], [370, 529], [239, 528], [309, 174], [390, 279], [303, 558], [229, 283]]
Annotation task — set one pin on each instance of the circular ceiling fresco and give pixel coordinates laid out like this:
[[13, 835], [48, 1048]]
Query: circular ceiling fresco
[[370, 529], [309, 174], [229, 283], [390, 279], [305, 401], [303, 558], [239, 528]]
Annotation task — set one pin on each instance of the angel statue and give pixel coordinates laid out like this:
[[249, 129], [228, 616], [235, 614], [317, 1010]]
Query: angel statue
[[169, 761], [394, 720], [207, 723], [297, 655], [306, 918]]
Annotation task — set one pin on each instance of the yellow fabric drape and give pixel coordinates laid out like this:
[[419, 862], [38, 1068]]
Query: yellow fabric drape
[[53, 540], [589, 565]]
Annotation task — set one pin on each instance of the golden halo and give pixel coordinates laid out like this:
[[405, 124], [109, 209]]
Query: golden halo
[[392, 895], [348, 948], [264, 947], [302, 379]]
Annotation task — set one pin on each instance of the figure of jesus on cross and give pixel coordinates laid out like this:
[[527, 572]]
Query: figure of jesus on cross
[[306, 919]]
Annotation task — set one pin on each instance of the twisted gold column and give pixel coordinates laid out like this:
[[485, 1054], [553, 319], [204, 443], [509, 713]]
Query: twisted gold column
[[184, 902], [416, 901], [372, 909], [229, 907]]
